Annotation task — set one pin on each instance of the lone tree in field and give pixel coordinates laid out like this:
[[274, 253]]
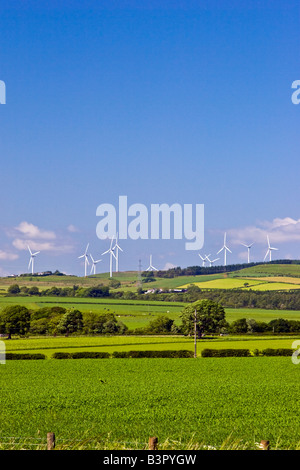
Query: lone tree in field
[[210, 317], [14, 319]]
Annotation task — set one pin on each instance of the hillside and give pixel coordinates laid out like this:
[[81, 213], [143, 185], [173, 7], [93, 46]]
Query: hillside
[[267, 276]]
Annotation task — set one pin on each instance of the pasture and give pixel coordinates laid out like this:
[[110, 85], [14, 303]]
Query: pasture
[[119, 403], [229, 403], [49, 345]]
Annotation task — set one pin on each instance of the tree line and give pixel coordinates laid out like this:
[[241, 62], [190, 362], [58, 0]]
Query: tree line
[[229, 298], [207, 316], [198, 270]]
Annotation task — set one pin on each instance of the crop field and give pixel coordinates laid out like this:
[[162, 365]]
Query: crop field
[[50, 345], [285, 279], [119, 403], [246, 284]]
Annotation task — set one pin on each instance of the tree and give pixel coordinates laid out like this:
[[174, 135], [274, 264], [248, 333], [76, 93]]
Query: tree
[[33, 291], [14, 319], [239, 326], [161, 324], [280, 325], [210, 317], [71, 322], [102, 323], [13, 289]]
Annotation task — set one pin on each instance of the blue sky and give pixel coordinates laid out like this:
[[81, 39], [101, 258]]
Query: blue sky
[[188, 103]]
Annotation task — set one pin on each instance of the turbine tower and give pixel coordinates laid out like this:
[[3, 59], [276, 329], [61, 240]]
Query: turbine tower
[[111, 254], [117, 248], [270, 249], [86, 259], [225, 248], [151, 267], [248, 249], [93, 268], [31, 261]]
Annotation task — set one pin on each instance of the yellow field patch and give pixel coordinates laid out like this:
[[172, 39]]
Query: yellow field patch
[[261, 284], [227, 283], [285, 279]]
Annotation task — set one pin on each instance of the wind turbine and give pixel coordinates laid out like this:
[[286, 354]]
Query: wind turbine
[[211, 261], [86, 259], [225, 248], [32, 256], [151, 267], [248, 248], [203, 259], [93, 268], [117, 248], [111, 253], [270, 249]]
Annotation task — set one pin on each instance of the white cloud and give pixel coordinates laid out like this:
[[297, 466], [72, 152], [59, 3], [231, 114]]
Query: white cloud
[[27, 234], [279, 231], [36, 245], [8, 256], [71, 228], [31, 231], [168, 266]]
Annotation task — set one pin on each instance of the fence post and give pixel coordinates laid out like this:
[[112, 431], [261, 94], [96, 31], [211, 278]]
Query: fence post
[[264, 445], [153, 441], [50, 440]]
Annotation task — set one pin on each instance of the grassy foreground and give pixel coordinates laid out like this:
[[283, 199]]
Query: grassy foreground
[[119, 403]]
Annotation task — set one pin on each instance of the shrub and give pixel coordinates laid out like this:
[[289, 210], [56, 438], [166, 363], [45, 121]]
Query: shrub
[[81, 355], [120, 354], [22, 356], [225, 353], [90, 355], [277, 352], [154, 354], [61, 355]]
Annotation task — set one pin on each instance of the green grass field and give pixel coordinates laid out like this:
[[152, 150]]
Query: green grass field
[[119, 403], [49, 345], [290, 270], [229, 403]]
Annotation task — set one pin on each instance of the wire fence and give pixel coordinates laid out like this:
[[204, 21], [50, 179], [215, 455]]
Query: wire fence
[[50, 442]]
